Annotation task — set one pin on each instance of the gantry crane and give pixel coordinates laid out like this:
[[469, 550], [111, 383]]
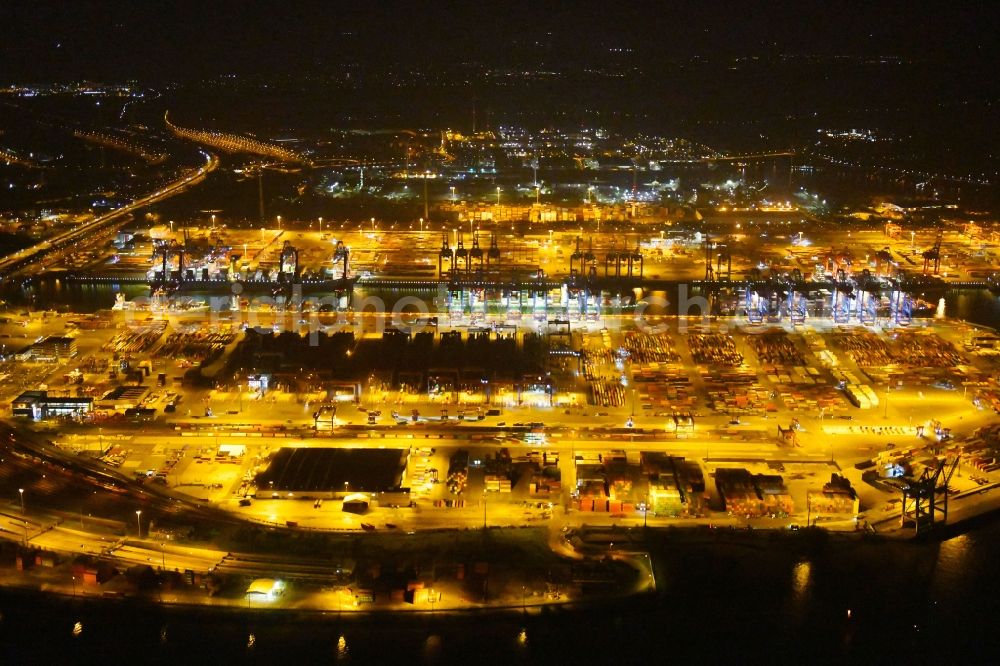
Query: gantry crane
[[925, 498], [933, 256], [709, 271], [576, 257], [493, 254], [884, 262], [341, 254], [445, 254], [475, 254], [288, 262], [614, 257], [635, 258], [462, 254], [725, 256], [163, 253]]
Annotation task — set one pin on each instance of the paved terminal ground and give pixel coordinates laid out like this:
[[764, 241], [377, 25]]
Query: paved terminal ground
[[771, 399], [778, 241], [573, 433]]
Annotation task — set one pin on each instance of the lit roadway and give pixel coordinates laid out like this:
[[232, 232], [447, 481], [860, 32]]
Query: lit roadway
[[714, 441], [54, 534], [59, 533], [728, 158], [501, 509], [14, 262], [234, 143]]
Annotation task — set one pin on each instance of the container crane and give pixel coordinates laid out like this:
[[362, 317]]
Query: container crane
[[925, 499]]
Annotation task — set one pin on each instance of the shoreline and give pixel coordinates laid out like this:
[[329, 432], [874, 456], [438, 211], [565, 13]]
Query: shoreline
[[656, 543]]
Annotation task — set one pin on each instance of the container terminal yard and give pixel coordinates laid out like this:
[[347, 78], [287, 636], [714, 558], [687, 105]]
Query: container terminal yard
[[427, 333], [357, 381], [502, 402]]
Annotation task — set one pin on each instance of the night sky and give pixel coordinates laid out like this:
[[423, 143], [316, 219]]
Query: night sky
[[183, 40]]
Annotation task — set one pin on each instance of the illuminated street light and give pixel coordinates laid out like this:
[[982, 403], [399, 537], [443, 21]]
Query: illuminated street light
[[321, 225], [138, 525], [426, 200], [498, 195], [21, 493], [279, 223]]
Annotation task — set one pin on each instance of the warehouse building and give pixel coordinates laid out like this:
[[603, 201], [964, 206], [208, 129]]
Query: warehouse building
[[50, 349], [39, 405], [325, 473]]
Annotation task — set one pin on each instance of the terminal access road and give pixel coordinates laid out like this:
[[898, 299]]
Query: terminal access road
[[27, 257]]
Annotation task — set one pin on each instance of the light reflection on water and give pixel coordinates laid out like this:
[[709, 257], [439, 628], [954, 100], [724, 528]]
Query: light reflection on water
[[843, 601], [952, 561], [343, 653], [432, 649], [801, 580], [977, 306]]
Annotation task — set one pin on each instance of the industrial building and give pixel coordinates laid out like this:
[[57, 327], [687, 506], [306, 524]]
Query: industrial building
[[753, 495], [624, 481], [837, 498], [324, 473], [123, 398], [49, 349], [39, 405]]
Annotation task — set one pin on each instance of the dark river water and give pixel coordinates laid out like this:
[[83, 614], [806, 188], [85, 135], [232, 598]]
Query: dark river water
[[978, 306], [733, 599]]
